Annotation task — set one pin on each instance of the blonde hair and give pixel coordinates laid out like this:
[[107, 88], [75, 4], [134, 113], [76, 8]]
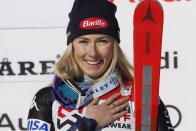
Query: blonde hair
[[67, 67]]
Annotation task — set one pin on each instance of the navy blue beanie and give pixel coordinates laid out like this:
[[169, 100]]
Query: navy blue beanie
[[92, 17]]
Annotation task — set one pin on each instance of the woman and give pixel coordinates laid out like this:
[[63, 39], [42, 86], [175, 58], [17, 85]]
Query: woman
[[92, 88]]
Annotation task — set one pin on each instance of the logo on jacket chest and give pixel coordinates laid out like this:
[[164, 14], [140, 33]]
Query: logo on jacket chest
[[67, 117]]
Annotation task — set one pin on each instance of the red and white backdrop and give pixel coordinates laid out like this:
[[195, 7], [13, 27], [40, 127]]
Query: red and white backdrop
[[33, 38]]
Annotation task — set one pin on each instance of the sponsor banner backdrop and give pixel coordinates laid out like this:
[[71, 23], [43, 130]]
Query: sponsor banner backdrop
[[33, 38]]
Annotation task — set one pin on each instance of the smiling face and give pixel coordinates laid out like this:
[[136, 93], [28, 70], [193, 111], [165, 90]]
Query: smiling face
[[93, 53]]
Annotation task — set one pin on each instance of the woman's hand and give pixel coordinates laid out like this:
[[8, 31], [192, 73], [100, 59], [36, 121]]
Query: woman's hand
[[108, 111]]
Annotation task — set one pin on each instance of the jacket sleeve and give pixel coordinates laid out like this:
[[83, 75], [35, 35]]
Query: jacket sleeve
[[84, 124], [40, 113], [164, 122]]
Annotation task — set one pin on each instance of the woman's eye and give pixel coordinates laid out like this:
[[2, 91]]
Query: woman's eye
[[82, 41], [103, 41]]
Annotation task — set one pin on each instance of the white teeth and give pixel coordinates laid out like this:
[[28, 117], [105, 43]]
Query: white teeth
[[93, 62]]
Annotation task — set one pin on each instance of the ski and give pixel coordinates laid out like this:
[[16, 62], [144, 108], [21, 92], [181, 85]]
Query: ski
[[147, 38]]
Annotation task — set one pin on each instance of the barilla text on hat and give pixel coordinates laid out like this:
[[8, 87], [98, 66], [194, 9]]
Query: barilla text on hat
[[93, 23]]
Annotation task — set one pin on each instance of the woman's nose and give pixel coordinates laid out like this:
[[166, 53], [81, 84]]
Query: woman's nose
[[92, 50]]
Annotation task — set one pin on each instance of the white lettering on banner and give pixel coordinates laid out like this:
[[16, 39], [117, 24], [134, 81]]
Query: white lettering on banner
[[169, 60], [15, 71], [34, 124], [4, 118], [34, 104], [25, 67], [8, 121]]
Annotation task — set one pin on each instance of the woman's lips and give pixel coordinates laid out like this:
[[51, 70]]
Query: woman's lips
[[94, 62]]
